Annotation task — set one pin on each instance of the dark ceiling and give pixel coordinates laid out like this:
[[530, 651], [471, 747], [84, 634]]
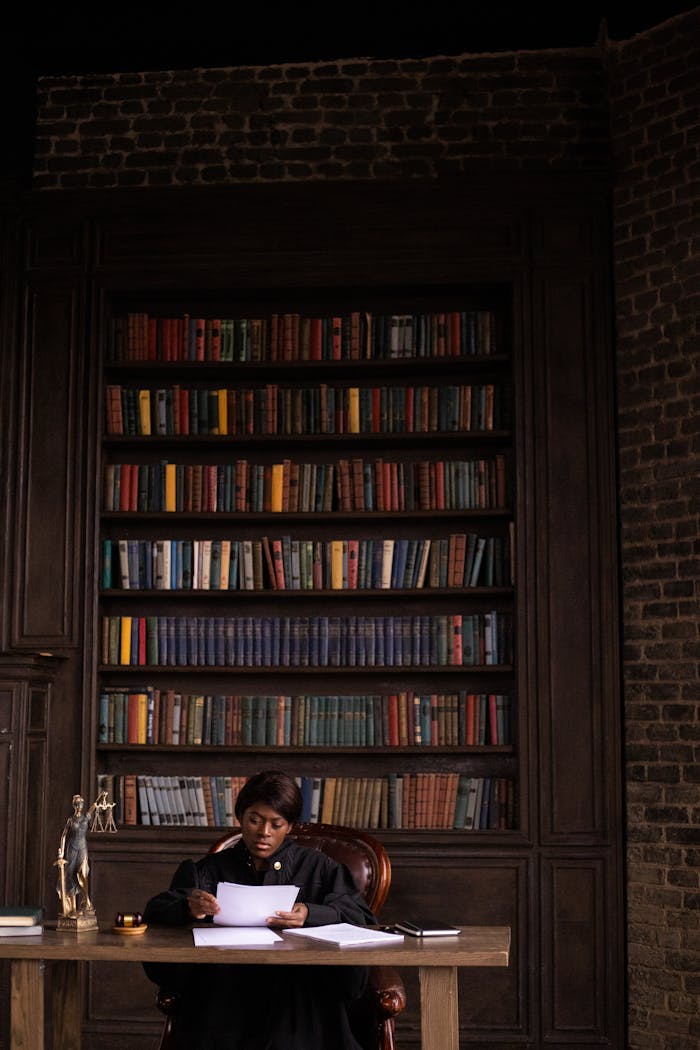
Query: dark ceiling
[[146, 37]]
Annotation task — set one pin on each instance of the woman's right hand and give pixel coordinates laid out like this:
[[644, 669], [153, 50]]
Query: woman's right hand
[[202, 904]]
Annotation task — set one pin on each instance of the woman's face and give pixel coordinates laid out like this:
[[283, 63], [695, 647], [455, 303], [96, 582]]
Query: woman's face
[[264, 830]]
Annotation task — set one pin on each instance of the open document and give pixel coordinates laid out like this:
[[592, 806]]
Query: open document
[[345, 935], [251, 905]]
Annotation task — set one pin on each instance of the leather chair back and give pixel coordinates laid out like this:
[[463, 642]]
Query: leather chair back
[[364, 857]]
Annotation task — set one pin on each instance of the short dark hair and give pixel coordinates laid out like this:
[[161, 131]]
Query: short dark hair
[[275, 789]]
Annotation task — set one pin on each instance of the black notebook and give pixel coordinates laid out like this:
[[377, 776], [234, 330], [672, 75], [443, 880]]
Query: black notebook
[[427, 929]]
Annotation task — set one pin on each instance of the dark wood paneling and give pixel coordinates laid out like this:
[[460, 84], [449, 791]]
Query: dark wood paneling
[[573, 779], [574, 933], [46, 596]]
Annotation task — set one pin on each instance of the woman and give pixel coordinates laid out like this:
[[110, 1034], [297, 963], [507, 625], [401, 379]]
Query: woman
[[271, 1007]]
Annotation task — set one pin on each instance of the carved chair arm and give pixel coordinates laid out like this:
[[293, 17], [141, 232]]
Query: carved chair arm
[[387, 989]]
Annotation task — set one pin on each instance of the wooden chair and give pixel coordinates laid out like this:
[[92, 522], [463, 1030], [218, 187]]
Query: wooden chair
[[372, 1017]]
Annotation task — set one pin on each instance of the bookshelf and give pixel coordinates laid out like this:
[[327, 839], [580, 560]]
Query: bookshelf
[[534, 255], [348, 530]]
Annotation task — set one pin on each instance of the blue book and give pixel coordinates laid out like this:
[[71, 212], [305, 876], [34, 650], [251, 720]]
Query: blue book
[[378, 623], [306, 792], [172, 640], [256, 628], [266, 632], [219, 641], [210, 649], [103, 725], [192, 641], [134, 644], [391, 642], [181, 644], [229, 641], [315, 649], [248, 642]]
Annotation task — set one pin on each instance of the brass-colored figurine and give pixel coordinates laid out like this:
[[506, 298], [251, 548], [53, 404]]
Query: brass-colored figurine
[[78, 913]]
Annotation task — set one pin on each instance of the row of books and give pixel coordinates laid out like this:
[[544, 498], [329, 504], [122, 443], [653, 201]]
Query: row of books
[[459, 639], [151, 716], [398, 800], [289, 487], [282, 563], [289, 336], [184, 411]]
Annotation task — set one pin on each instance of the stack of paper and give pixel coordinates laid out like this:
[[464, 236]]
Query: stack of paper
[[345, 935]]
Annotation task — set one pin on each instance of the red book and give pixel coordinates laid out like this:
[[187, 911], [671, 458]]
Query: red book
[[493, 720], [278, 564], [440, 485], [337, 339], [125, 487], [353, 554], [376, 410], [184, 412], [454, 333], [132, 718], [457, 639], [215, 340], [142, 641], [275, 354], [148, 339], [267, 551], [470, 720], [134, 489], [355, 335], [113, 410], [199, 338], [316, 339]]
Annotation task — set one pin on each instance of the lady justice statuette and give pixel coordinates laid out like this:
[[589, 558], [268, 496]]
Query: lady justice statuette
[[77, 910]]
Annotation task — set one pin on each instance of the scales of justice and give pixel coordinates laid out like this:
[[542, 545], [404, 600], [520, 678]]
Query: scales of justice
[[77, 910]]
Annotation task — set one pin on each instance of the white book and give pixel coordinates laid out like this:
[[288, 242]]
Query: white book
[[345, 935], [177, 801], [21, 931], [201, 804]]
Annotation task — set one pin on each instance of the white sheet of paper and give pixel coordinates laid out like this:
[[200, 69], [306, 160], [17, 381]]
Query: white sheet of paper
[[251, 905], [345, 935], [233, 936]]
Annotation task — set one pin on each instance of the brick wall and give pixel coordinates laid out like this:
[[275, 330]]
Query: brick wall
[[337, 120], [655, 99]]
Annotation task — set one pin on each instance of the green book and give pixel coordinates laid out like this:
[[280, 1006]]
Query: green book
[[22, 915]]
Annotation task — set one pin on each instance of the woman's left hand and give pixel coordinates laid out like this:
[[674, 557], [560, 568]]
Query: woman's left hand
[[287, 920]]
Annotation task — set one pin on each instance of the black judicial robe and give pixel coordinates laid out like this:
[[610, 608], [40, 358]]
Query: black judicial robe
[[264, 1007]]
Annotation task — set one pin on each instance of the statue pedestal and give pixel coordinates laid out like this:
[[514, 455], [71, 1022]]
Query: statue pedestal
[[86, 920]]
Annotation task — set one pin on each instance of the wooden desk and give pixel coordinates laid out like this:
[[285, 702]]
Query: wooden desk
[[437, 959]]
